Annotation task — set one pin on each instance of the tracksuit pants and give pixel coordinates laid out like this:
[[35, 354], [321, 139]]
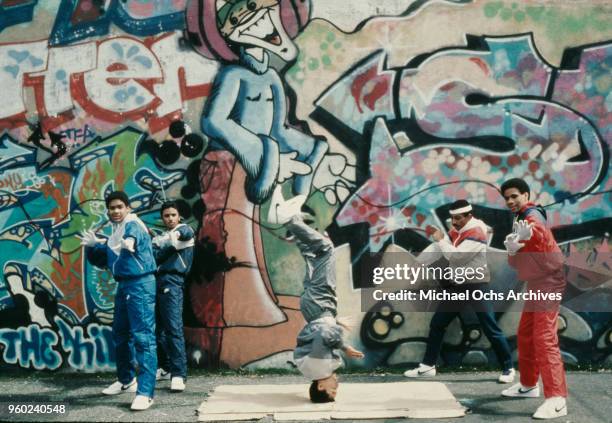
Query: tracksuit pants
[[134, 326], [539, 354]]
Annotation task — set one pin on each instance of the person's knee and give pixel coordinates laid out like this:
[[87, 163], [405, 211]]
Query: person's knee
[[143, 340]]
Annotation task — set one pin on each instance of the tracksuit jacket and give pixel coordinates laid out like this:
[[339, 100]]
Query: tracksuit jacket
[[134, 315]]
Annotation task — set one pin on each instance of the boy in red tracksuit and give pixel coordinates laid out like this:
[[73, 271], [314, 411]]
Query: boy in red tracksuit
[[539, 263]]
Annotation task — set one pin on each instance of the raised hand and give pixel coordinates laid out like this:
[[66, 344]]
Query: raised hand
[[523, 229], [89, 238], [512, 244]]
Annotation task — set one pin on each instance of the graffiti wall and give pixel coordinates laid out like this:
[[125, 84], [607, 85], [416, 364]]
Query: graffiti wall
[[382, 113]]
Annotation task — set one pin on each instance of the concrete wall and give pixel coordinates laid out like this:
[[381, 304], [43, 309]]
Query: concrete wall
[[382, 111]]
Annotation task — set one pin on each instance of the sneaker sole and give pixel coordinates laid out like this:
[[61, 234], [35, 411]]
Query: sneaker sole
[[420, 376], [142, 409], [548, 418], [520, 395], [110, 394]]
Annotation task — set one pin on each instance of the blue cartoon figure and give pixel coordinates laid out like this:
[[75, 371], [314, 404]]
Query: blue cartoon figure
[[252, 149]]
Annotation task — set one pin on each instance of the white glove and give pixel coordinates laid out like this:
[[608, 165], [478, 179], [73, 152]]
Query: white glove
[[128, 244], [162, 240], [512, 244], [523, 229], [89, 238], [177, 243]]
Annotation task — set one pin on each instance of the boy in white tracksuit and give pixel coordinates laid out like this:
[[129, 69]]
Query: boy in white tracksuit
[[466, 247]]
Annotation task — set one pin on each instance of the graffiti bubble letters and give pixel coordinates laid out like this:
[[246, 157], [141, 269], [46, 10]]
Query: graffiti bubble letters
[[114, 79], [89, 349], [31, 346]]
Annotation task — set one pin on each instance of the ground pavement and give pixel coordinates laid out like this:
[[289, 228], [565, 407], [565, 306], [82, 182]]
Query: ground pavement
[[590, 396]]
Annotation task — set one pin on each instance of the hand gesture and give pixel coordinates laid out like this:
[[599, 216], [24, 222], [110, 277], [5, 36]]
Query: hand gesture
[[128, 244], [162, 240], [89, 238], [512, 244], [175, 241], [288, 166], [523, 229], [353, 353], [437, 235]]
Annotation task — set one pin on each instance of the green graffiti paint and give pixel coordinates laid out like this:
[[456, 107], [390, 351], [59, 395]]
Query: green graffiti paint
[[505, 14], [491, 9], [534, 13]]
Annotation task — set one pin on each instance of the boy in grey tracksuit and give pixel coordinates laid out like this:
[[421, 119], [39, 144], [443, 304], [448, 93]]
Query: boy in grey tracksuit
[[317, 353]]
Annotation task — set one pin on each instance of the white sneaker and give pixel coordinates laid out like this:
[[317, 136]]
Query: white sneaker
[[282, 211], [162, 375], [507, 376], [552, 408], [141, 402], [422, 371], [119, 388], [177, 384], [521, 391]]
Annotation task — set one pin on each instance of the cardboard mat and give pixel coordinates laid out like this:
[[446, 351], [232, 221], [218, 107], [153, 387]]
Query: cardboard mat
[[354, 401]]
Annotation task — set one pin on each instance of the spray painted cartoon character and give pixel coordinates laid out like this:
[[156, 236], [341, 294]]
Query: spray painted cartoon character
[[246, 112], [252, 149]]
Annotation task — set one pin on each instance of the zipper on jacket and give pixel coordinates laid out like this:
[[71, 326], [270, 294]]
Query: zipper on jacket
[[182, 262], [137, 261]]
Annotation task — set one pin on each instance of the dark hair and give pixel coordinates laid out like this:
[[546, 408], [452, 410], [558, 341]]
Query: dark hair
[[171, 204], [318, 396], [517, 183], [117, 195]]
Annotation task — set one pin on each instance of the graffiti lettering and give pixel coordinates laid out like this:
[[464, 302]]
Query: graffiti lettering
[[92, 352], [11, 181], [79, 19], [116, 79], [78, 135], [30, 347]]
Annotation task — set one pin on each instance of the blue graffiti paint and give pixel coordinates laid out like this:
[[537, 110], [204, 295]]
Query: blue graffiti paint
[[31, 346], [17, 13], [94, 351], [66, 32]]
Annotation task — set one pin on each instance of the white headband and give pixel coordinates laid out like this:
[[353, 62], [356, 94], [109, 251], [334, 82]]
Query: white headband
[[465, 209]]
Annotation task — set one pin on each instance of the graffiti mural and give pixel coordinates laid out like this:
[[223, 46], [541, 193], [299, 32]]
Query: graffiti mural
[[381, 113]]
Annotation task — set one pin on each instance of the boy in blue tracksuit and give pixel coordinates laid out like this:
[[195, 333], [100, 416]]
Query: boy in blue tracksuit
[[173, 251], [128, 254]]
